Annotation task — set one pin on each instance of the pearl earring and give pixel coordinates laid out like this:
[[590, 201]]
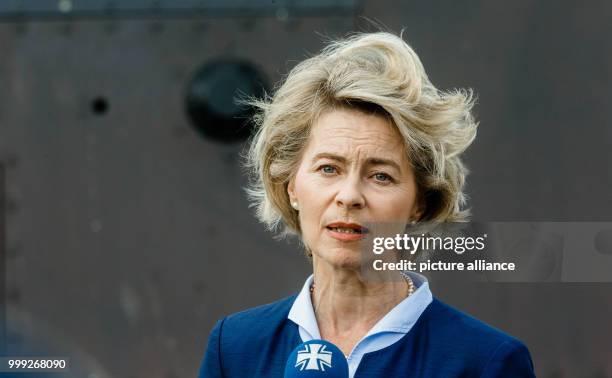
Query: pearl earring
[[294, 204]]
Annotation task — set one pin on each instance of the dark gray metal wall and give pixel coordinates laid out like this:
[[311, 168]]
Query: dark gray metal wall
[[127, 234]]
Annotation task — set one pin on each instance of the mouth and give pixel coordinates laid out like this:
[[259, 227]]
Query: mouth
[[347, 228]]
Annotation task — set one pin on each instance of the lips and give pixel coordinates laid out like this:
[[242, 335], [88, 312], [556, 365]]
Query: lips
[[347, 228], [346, 231]]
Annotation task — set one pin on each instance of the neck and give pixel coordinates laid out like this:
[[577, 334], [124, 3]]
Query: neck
[[347, 306]]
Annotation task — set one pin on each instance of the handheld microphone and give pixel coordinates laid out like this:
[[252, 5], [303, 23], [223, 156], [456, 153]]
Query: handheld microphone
[[315, 359]]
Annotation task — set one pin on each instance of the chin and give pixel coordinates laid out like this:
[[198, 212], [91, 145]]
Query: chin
[[344, 258]]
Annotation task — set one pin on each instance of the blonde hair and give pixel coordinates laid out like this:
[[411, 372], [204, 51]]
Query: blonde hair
[[365, 71]]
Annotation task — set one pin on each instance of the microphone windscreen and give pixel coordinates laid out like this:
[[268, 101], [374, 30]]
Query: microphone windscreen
[[316, 358]]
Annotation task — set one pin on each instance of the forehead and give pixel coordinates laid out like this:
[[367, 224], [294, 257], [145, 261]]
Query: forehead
[[347, 131]]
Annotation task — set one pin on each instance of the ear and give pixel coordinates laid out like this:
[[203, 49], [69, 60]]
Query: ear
[[291, 189], [419, 208]]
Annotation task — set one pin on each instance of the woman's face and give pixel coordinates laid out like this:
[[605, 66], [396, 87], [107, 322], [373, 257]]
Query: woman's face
[[353, 170]]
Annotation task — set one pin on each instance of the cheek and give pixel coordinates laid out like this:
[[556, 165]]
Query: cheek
[[309, 223], [396, 205], [311, 192], [311, 213], [314, 200]]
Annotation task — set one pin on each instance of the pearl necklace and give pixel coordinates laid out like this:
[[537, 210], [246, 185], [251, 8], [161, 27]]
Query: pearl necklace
[[411, 287]]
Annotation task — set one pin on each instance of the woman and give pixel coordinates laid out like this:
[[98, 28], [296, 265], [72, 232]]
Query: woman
[[358, 134]]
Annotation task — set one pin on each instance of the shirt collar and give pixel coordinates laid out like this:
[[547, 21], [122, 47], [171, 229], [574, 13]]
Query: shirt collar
[[302, 312], [400, 319]]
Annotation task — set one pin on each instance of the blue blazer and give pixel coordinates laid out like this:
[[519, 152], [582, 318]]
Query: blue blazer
[[444, 342]]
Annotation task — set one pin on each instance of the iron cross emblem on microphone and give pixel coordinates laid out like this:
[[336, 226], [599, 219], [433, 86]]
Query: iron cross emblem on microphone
[[314, 357]]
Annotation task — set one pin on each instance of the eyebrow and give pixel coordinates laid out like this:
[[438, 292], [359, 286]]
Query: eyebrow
[[369, 161]]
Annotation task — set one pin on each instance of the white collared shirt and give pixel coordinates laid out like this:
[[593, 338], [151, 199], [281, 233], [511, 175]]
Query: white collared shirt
[[387, 331]]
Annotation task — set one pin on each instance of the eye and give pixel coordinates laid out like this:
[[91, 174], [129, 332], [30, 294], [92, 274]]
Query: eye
[[382, 177], [328, 169]]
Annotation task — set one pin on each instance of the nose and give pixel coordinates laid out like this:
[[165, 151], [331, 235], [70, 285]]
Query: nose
[[350, 195]]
